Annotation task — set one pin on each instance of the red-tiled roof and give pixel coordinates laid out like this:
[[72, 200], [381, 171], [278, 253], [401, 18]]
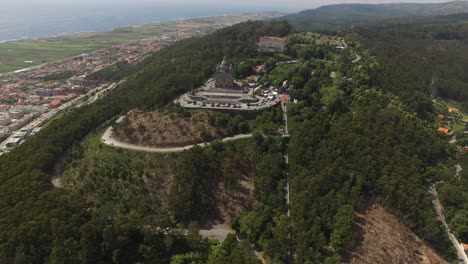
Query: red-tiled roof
[[275, 38], [443, 129], [285, 98], [251, 77], [55, 103]]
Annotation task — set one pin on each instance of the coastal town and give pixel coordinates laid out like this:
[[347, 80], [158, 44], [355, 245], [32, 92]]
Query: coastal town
[[30, 97]]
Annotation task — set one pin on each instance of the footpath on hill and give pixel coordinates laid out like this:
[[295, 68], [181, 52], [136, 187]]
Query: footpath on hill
[[108, 139]]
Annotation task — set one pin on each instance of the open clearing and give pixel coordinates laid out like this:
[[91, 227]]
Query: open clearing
[[384, 239], [165, 128]]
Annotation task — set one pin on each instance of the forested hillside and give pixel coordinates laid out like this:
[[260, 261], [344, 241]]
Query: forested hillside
[[420, 57], [358, 134], [39, 224], [351, 143], [345, 16], [421, 61]]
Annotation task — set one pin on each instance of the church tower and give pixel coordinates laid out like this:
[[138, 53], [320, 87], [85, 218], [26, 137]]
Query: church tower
[[224, 76]]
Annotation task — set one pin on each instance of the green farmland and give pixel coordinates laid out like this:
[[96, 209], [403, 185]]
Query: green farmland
[[26, 53], [21, 54]]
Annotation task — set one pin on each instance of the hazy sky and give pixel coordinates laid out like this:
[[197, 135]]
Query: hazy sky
[[289, 4]]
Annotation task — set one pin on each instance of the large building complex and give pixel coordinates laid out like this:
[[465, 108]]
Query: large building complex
[[272, 44], [223, 92]]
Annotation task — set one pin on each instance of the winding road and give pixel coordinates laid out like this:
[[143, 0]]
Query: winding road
[[218, 232], [108, 139], [358, 57], [439, 210], [284, 107]]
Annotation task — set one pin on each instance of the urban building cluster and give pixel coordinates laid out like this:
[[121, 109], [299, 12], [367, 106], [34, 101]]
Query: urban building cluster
[[40, 92], [31, 97]]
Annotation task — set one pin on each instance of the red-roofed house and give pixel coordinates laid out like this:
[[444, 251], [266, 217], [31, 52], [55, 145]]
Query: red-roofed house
[[35, 102], [285, 98], [441, 117], [71, 96], [444, 130], [4, 107], [453, 110], [253, 78], [61, 98], [272, 44], [55, 103]]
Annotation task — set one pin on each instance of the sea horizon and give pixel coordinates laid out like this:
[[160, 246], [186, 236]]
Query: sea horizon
[[49, 21]]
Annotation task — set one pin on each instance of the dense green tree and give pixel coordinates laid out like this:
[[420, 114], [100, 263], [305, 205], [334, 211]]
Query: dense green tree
[[39, 223]]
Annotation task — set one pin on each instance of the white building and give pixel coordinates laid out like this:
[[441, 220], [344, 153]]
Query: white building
[[13, 142], [16, 114], [21, 135], [5, 120], [271, 44]]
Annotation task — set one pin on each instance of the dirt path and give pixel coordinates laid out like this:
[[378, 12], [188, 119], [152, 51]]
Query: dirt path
[[108, 139], [218, 232], [288, 198], [439, 210], [458, 172], [358, 57]]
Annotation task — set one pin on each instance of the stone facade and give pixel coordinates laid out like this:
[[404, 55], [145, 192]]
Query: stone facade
[[224, 76], [272, 44]]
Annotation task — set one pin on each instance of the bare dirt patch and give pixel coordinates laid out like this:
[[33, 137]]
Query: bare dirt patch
[[166, 128], [231, 203], [383, 239]]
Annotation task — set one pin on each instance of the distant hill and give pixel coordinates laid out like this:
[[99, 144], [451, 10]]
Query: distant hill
[[343, 16], [432, 49]]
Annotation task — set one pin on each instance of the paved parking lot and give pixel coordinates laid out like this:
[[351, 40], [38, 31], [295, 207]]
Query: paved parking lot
[[235, 105]]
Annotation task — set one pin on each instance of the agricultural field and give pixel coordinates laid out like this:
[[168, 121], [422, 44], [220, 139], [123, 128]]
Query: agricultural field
[[26, 53]]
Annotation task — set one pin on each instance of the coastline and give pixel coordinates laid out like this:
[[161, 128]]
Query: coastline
[[75, 34], [17, 55], [159, 22]]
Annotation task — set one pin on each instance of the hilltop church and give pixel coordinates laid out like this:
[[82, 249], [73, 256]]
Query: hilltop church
[[222, 92], [224, 78]]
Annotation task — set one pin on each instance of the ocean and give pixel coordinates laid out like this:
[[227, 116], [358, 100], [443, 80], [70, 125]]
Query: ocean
[[49, 20]]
